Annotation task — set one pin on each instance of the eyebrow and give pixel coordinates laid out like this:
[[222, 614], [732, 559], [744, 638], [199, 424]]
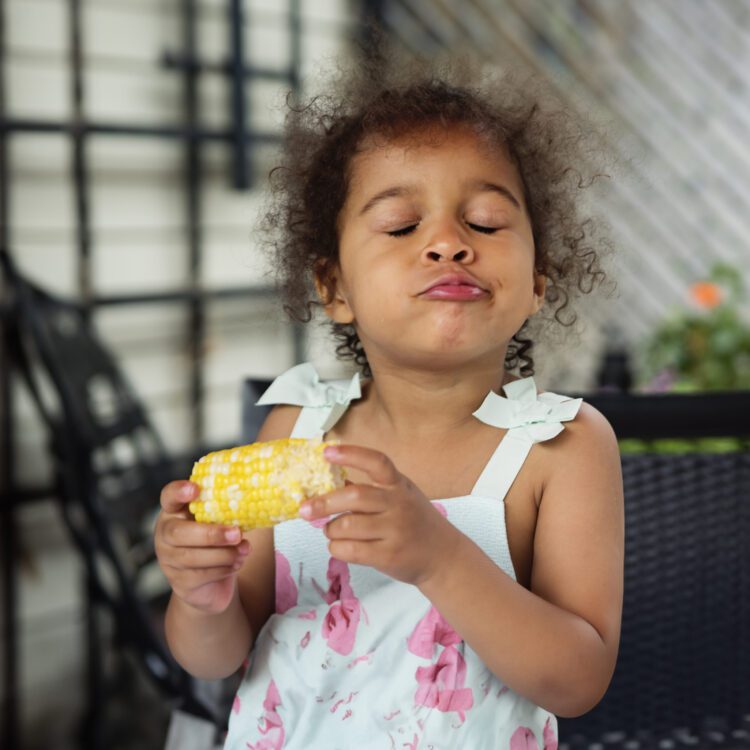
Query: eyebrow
[[399, 191], [491, 187], [393, 192]]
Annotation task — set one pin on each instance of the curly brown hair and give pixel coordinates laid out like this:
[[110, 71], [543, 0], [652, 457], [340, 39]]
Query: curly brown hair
[[387, 97]]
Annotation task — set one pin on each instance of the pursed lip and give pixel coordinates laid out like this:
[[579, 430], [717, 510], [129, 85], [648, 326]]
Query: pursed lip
[[453, 279]]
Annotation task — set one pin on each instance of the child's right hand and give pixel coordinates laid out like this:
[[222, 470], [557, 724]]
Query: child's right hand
[[200, 560]]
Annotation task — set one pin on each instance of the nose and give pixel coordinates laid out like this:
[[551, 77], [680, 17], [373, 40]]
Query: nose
[[450, 247]]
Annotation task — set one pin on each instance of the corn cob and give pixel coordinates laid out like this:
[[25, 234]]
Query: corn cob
[[261, 484]]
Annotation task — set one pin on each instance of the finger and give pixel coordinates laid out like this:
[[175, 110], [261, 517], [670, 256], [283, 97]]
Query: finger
[[187, 533], [176, 495], [375, 464], [196, 558], [355, 551], [355, 526], [362, 498]]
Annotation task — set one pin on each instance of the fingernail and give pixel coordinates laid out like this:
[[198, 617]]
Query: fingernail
[[331, 451], [305, 510], [187, 490], [232, 535]]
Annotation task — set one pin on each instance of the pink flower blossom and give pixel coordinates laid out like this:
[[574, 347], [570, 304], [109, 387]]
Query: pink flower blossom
[[342, 619], [441, 685], [432, 629], [440, 508], [524, 739], [550, 738], [340, 625], [273, 726], [286, 588]]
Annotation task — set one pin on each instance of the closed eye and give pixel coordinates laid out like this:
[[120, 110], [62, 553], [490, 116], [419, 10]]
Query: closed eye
[[404, 231], [484, 230], [408, 230]]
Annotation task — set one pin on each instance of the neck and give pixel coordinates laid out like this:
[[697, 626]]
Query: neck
[[426, 404]]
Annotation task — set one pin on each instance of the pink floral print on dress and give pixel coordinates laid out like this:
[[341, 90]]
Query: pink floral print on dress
[[442, 684], [524, 739], [340, 625], [440, 508], [550, 738], [272, 725], [342, 619], [431, 630], [286, 588]]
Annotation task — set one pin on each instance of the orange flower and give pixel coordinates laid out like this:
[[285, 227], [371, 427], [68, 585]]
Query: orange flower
[[706, 294]]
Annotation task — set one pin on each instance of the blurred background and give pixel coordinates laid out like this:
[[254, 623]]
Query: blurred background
[[135, 142]]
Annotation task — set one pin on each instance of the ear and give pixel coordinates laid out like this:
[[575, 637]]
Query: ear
[[327, 280], [540, 285]]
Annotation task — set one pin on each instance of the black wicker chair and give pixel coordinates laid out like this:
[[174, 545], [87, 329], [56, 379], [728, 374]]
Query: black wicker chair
[[683, 670], [110, 466]]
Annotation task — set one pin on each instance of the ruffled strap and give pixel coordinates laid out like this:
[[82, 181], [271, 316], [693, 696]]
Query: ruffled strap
[[529, 418], [323, 404]]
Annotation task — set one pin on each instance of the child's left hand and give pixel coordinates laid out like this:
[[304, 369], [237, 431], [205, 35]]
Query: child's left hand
[[389, 524]]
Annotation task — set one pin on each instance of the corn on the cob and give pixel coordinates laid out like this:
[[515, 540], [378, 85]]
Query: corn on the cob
[[261, 484]]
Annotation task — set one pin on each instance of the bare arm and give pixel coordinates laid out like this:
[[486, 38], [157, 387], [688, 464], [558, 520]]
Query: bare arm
[[556, 644], [208, 646], [220, 598]]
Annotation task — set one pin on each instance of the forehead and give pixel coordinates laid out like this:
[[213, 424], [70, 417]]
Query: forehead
[[458, 148]]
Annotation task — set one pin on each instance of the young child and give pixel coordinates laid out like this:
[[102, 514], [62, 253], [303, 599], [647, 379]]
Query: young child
[[465, 587]]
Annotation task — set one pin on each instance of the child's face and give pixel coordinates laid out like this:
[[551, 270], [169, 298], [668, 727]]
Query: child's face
[[437, 205]]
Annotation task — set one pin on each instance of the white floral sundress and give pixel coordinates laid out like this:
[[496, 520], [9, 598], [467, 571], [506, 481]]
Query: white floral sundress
[[355, 659]]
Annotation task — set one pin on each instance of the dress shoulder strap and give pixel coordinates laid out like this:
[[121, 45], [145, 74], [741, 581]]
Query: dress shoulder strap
[[323, 404], [529, 418]]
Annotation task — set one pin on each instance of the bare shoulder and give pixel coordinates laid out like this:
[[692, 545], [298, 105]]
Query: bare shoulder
[[587, 437], [279, 423], [579, 542]]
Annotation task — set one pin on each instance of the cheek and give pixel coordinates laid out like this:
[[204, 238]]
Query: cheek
[[520, 271], [380, 300]]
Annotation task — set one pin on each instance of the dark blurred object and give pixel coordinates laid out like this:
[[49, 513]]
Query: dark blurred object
[[253, 416], [615, 374], [654, 416], [110, 466]]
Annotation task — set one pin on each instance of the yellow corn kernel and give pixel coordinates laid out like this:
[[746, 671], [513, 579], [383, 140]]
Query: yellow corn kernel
[[261, 484]]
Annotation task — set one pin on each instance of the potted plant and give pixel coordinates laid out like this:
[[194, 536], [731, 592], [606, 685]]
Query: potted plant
[[705, 344]]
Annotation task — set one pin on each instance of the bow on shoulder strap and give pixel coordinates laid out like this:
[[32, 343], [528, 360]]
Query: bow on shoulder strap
[[323, 403], [536, 417], [529, 418]]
